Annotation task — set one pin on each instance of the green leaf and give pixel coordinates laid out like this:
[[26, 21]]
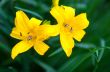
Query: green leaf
[[2, 2], [85, 45], [101, 52], [74, 62], [47, 67], [55, 52], [4, 47], [28, 11]]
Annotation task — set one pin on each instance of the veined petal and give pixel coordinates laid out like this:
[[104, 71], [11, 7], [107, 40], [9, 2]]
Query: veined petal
[[80, 21], [69, 13], [33, 22], [50, 30], [67, 43], [55, 2], [78, 35], [41, 47], [16, 34], [21, 21], [20, 48], [57, 13]]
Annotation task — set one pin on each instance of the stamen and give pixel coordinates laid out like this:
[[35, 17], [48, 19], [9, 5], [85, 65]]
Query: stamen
[[71, 29], [29, 37], [20, 34], [28, 33], [66, 25]]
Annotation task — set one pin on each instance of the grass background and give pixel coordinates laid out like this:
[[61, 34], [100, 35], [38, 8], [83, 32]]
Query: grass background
[[90, 55]]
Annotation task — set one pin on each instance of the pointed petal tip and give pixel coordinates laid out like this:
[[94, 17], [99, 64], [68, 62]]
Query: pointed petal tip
[[68, 55], [44, 52], [13, 56], [20, 47], [67, 43]]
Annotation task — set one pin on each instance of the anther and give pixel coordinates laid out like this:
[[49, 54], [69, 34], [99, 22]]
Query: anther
[[28, 33], [71, 29], [20, 34], [29, 37], [66, 25]]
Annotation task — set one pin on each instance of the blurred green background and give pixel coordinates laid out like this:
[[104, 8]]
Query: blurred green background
[[92, 54]]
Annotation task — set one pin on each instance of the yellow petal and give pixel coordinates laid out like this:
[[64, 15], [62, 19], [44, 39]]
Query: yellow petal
[[34, 22], [80, 21], [57, 13], [78, 35], [50, 30], [20, 48], [55, 2], [21, 21], [69, 13], [15, 33], [41, 48], [67, 43]]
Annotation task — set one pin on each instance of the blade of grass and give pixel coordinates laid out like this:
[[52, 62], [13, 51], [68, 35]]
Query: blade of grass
[[74, 62], [43, 65], [55, 52], [102, 50], [4, 47], [85, 45]]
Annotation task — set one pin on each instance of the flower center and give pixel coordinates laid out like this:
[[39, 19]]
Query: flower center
[[68, 27], [29, 37]]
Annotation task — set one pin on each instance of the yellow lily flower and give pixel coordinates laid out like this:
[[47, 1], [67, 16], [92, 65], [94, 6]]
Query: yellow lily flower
[[30, 33], [69, 25]]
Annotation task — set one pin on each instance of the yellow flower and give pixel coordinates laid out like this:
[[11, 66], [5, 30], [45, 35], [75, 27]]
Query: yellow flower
[[30, 33], [69, 25]]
